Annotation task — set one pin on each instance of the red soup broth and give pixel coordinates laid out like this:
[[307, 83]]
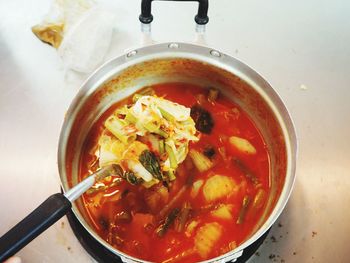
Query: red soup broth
[[136, 236]]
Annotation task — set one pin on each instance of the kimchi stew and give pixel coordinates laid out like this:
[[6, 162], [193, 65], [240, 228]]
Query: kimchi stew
[[192, 174]]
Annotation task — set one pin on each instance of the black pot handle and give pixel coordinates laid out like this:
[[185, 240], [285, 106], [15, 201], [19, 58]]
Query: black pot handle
[[201, 18], [34, 224]]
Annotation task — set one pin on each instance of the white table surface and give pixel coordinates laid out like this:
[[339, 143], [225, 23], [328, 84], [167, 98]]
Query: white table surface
[[301, 47]]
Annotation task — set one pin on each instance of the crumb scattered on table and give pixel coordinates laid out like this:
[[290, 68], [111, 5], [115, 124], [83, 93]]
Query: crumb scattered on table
[[303, 87]]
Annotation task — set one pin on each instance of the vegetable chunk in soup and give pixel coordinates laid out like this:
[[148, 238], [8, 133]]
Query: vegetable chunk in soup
[[193, 174]]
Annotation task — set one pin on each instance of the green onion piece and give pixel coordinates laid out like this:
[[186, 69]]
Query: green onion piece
[[258, 201], [171, 175], [169, 220], [246, 171], [243, 211], [161, 133], [183, 217], [166, 114], [172, 157], [161, 147], [152, 126]]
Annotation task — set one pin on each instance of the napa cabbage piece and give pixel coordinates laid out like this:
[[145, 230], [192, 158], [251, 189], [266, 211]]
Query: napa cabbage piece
[[162, 107], [201, 162], [152, 129], [134, 150], [121, 129], [110, 150], [139, 170]]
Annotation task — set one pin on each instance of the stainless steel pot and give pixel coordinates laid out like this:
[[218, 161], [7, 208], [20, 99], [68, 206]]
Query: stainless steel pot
[[181, 62]]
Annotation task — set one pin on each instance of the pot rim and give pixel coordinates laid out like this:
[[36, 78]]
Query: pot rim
[[203, 54]]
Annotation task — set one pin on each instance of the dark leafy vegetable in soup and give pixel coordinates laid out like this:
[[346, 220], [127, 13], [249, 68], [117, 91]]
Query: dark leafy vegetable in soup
[[193, 174]]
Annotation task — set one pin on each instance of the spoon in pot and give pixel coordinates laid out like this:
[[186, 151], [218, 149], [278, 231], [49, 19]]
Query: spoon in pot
[[46, 214]]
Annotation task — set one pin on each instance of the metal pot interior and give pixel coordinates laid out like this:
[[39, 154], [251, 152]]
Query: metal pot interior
[[123, 76]]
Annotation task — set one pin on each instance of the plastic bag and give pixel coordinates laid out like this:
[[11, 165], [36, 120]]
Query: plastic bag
[[81, 30]]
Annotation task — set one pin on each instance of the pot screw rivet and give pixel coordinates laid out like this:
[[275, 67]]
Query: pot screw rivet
[[215, 53], [173, 45], [131, 54]]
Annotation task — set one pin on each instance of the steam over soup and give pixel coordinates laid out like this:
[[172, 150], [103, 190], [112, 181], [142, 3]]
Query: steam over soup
[[193, 174]]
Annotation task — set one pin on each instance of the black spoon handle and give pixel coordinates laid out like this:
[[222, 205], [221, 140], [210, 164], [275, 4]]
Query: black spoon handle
[[46, 214]]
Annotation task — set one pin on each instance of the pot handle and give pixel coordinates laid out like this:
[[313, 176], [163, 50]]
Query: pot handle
[[201, 19], [52, 209]]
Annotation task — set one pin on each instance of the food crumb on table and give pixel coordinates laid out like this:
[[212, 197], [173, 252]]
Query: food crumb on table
[[303, 87]]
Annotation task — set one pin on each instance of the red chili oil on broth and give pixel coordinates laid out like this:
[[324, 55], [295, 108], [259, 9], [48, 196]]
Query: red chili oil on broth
[[134, 232]]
